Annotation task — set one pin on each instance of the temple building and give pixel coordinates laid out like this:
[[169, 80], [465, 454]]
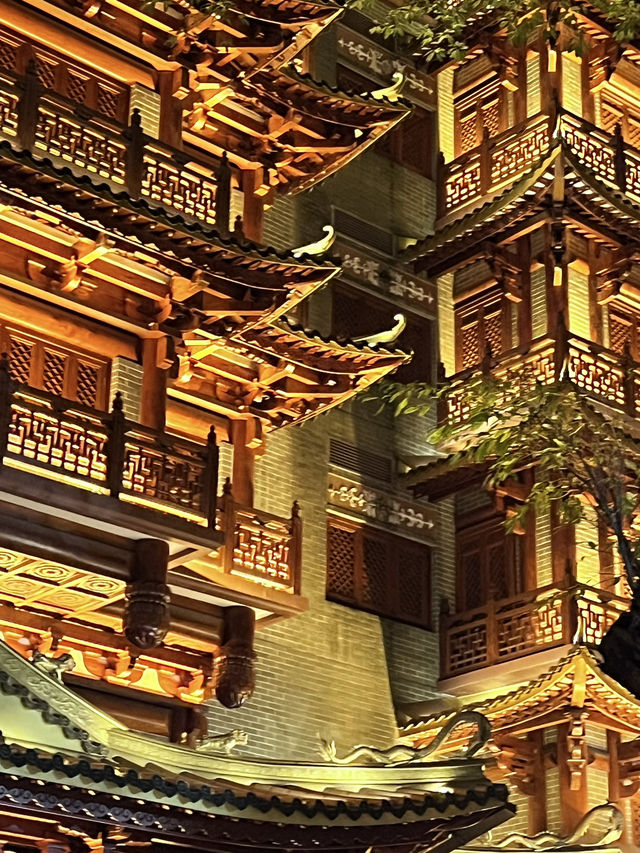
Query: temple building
[[534, 254], [206, 595]]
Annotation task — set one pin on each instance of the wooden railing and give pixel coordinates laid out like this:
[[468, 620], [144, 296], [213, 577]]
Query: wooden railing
[[45, 123], [106, 453], [602, 373], [260, 546], [494, 163], [498, 160], [512, 628]]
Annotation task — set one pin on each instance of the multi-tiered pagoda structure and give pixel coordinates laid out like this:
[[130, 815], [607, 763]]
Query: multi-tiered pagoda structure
[[146, 355], [535, 254]]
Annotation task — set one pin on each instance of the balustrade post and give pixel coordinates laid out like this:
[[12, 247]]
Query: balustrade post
[[629, 381], [295, 548], [485, 161], [441, 186], [115, 447], [223, 196], [134, 137], [210, 484], [27, 107], [492, 630], [6, 395], [228, 526], [619, 158], [445, 645], [561, 350]]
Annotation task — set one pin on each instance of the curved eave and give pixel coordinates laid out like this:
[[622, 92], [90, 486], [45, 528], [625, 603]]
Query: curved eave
[[149, 224], [526, 188], [328, 169]]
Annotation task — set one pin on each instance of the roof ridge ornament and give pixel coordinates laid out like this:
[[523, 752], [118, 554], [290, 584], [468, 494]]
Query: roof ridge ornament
[[320, 246], [610, 833], [392, 92], [402, 754], [389, 336]]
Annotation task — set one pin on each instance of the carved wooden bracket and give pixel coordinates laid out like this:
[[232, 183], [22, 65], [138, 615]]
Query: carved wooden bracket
[[234, 665], [147, 599]]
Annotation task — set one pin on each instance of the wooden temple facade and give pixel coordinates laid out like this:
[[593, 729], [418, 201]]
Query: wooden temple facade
[[535, 255]]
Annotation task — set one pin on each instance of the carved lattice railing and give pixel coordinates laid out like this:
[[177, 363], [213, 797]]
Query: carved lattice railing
[[260, 546], [605, 375], [514, 627], [48, 124], [106, 453]]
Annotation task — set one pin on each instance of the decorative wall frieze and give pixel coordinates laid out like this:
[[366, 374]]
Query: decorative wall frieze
[[380, 507], [375, 61], [418, 294]]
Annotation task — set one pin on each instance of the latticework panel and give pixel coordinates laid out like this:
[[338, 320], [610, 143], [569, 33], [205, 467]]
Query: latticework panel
[[467, 648], [87, 384], [46, 73], [8, 51], [53, 374], [470, 345], [76, 87], [472, 579], [497, 570], [491, 117], [20, 360], [108, 101], [493, 332], [413, 597], [374, 572], [341, 562], [610, 117], [468, 134], [619, 333], [163, 476]]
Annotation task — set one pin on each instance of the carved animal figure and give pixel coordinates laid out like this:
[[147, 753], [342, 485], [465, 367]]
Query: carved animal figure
[[549, 840], [409, 755], [223, 743], [53, 666]]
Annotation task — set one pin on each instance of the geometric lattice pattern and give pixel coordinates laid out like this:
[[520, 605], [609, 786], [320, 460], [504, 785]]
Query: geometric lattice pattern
[[380, 572]]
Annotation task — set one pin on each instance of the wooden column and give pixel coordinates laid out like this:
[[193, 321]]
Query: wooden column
[[573, 784], [563, 547], [170, 109], [537, 802], [243, 463], [155, 361], [253, 210]]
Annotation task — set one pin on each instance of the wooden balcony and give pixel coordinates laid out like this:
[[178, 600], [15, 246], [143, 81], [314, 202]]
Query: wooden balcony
[[602, 373], [496, 163], [47, 124], [504, 630]]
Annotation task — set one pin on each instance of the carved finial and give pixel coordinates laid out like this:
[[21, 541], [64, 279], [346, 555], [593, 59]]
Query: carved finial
[[136, 118], [238, 232], [211, 436], [118, 402], [295, 510], [226, 488]]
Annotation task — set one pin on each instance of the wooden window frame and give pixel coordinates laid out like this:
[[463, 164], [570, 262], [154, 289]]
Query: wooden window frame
[[73, 360], [397, 545], [475, 311], [475, 103], [481, 531]]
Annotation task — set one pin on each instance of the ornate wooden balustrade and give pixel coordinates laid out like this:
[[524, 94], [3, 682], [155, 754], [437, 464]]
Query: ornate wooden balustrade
[[511, 628], [105, 453], [45, 123], [498, 160], [260, 546], [493, 164], [602, 373]]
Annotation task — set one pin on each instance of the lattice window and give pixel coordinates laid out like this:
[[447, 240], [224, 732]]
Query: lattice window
[[8, 55], [488, 565], [480, 327], [355, 315], [54, 369], [108, 101], [468, 132], [623, 331], [610, 117], [491, 117], [379, 572], [341, 560]]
